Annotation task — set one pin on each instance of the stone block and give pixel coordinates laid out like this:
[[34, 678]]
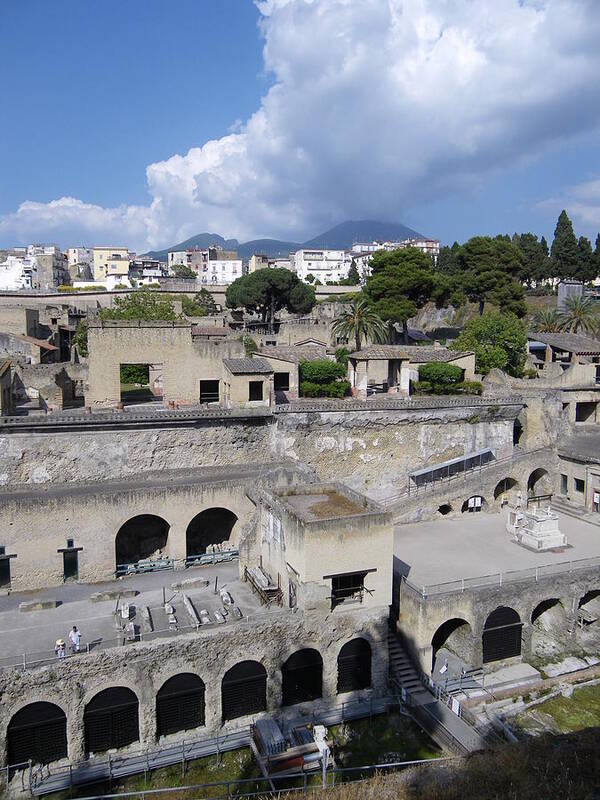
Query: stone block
[[112, 594], [38, 605], [191, 583]]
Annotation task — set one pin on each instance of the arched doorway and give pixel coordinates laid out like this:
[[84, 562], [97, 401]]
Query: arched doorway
[[302, 677], [144, 536], [504, 486], [110, 720], [502, 635], [211, 526], [589, 608], [37, 732], [180, 704], [454, 635], [473, 504], [354, 666], [539, 482], [549, 623], [244, 690]]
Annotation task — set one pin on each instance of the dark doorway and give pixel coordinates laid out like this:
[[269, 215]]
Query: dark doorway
[[502, 635], [111, 720], [454, 635], [212, 526], [302, 677], [144, 536], [517, 432], [281, 381], [135, 384], [209, 391], [70, 565], [38, 732], [180, 704], [354, 666], [244, 690], [4, 572]]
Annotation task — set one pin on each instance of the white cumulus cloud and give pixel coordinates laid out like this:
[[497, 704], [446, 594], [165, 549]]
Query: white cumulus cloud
[[375, 106]]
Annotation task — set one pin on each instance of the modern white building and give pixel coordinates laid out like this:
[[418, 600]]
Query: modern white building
[[18, 272], [324, 265], [212, 265], [361, 252], [78, 256], [52, 265]]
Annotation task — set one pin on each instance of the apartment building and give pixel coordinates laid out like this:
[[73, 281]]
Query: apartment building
[[258, 261], [212, 265], [18, 271], [52, 265], [110, 261], [324, 265]]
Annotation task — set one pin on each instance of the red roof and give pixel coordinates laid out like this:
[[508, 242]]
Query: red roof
[[38, 342]]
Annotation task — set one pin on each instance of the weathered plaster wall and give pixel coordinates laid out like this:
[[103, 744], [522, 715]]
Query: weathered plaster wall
[[145, 667]]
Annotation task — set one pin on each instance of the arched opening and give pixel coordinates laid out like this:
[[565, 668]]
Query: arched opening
[[110, 720], [474, 504], [211, 526], [180, 704], [444, 509], [244, 690], [144, 536], [589, 608], [454, 635], [502, 635], [302, 677], [549, 624], [354, 666], [37, 732], [539, 482], [504, 486]]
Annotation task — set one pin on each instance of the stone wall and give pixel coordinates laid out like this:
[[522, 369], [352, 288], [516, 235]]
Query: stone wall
[[269, 639]]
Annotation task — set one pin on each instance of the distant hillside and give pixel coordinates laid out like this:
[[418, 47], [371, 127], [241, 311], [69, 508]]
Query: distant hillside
[[340, 237]]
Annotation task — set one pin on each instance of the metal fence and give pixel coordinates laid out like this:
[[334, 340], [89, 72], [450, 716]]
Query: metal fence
[[529, 575]]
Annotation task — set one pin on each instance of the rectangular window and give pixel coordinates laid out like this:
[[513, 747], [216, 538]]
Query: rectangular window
[[579, 485], [255, 390], [2, 550], [564, 484], [209, 391], [281, 381], [347, 588], [69, 542]]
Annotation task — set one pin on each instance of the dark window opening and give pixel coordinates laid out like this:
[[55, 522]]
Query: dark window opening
[[38, 732], [2, 550], [281, 381], [564, 484], [70, 542], [209, 391], [302, 676], [444, 509], [579, 485], [111, 720], [517, 432], [271, 341], [180, 704], [244, 690], [255, 390], [502, 635], [585, 412], [354, 666], [347, 588]]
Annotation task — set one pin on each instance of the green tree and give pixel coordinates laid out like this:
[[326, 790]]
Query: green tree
[[135, 373], [201, 305], [267, 291], [353, 277], [490, 270], [80, 339], [360, 323], [403, 281], [181, 271], [579, 315], [597, 253], [498, 340], [547, 320], [322, 378], [446, 263], [565, 255], [535, 259], [141, 304], [443, 378], [587, 269]]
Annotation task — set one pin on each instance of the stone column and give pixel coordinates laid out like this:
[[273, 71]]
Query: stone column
[[176, 544]]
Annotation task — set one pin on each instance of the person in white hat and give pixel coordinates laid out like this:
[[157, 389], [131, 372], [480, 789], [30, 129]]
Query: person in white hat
[[60, 648]]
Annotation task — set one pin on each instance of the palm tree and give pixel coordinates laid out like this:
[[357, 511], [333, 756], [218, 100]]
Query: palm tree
[[547, 320], [579, 315], [360, 322]]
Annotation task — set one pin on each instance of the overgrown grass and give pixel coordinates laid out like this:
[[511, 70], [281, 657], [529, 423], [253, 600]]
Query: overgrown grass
[[564, 714]]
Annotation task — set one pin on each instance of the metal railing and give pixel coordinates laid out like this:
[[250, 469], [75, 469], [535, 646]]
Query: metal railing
[[531, 574]]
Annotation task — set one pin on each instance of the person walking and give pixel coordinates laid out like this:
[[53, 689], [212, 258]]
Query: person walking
[[75, 638], [60, 649]]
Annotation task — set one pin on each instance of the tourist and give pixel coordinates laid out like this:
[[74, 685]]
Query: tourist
[[60, 649], [75, 639]]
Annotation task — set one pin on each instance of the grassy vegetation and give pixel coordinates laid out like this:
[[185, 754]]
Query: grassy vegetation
[[563, 714]]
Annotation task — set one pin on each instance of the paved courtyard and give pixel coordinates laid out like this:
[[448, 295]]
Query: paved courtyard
[[35, 632], [478, 544]]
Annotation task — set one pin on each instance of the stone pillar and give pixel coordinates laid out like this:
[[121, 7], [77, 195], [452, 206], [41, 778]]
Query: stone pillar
[[212, 704], [76, 733], [329, 675], [176, 544], [526, 635], [147, 718]]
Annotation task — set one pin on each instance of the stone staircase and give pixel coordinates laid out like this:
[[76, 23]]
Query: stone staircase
[[403, 674], [561, 504]]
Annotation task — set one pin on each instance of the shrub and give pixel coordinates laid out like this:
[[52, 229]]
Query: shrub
[[250, 345], [321, 370], [332, 389], [134, 373], [80, 340], [440, 375], [338, 389], [420, 387], [469, 387], [341, 356], [530, 373]]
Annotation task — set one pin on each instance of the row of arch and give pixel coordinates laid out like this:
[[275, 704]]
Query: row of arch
[[502, 630], [38, 731], [146, 535], [539, 481]]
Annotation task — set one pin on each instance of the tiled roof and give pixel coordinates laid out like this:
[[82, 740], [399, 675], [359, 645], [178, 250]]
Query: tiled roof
[[38, 342], [4, 365], [571, 342], [293, 354], [412, 353], [247, 366]]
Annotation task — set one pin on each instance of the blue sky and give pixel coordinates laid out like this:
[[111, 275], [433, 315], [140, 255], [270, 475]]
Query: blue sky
[[148, 121]]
